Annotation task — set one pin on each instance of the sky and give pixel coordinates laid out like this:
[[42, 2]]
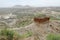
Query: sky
[[36, 3]]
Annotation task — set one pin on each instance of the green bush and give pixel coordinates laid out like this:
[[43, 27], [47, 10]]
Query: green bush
[[53, 37], [9, 34]]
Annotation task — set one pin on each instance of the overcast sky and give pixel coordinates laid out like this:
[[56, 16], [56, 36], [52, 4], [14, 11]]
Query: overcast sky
[[9, 3]]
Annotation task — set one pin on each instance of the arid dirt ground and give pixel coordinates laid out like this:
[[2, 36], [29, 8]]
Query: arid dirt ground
[[40, 31]]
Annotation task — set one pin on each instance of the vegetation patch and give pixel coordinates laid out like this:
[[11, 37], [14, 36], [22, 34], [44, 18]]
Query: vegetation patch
[[53, 37], [11, 35], [23, 23], [25, 35], [8, 35]]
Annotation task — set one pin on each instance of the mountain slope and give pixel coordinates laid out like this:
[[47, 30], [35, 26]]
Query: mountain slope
[[40, 31]]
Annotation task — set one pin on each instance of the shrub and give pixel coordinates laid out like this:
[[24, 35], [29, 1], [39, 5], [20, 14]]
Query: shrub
[[9, 34], [53, 37]]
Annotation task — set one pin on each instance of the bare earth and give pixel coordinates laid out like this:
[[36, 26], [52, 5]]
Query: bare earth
[[40, 31]]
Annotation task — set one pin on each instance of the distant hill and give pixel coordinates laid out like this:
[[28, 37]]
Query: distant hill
[[21, 6]]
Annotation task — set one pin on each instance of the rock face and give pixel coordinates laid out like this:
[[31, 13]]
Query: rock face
[[41, 20]]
